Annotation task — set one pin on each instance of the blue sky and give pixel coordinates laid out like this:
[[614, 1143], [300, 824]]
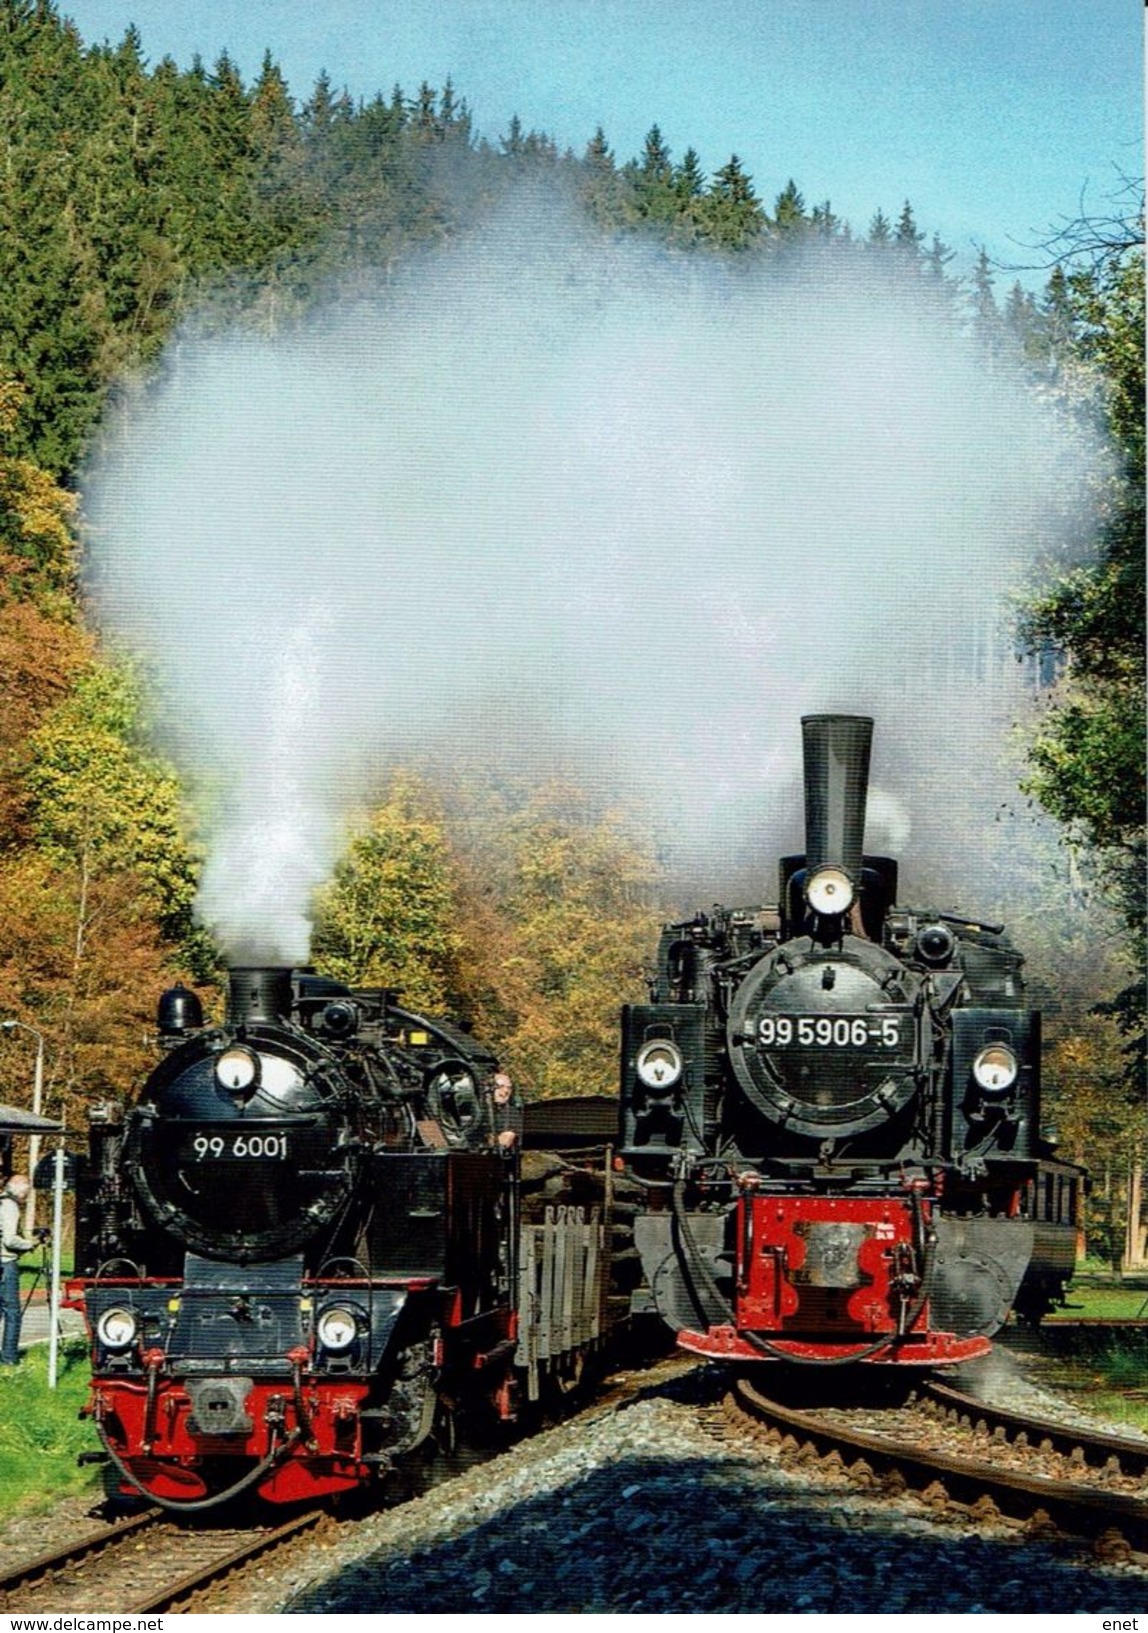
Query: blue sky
[[994, 117]]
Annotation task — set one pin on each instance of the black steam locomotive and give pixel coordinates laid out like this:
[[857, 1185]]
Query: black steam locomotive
[[833, 1104], [308, 1244]]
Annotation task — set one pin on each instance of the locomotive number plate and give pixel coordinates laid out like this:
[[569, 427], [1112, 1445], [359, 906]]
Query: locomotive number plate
[[833, 1032], [237, 1147]]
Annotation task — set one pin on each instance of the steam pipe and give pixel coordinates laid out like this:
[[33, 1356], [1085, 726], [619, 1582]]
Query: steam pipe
[[836, 786]]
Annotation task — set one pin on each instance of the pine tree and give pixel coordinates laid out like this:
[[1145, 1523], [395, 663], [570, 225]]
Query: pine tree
[[935, 259], [655, 198], [1057, 311], [689, 181], [988, 327], [605, 193], [1023, 322], [513, 144], [880, 233], [655, 169], [424, 119], [319, 110], [824, 223], [789, 215], [733, 217], [907, 238], [282, 209], [454, 117]]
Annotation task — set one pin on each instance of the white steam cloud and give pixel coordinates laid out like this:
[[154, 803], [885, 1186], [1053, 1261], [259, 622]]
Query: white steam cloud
[[546, 492]]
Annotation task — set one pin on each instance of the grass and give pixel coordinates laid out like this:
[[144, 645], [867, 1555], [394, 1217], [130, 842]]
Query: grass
[[1106, 1370], [1105, 1398], [1102, 1303], [40, 1434], [37, 1268]]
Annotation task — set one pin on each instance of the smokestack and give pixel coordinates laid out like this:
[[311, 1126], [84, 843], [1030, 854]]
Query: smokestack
[[259, 992], [836, 785]]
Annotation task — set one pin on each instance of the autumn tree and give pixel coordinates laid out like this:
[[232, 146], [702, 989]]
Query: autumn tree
[[99, 801], [83, 962], [95, 879], [579, 903], [389, 916], [41, 646]]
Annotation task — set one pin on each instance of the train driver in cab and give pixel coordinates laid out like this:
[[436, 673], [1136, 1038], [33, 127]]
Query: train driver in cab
[[507, 1112]]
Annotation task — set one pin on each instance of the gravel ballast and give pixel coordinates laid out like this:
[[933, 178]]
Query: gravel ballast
[[641, 1510]]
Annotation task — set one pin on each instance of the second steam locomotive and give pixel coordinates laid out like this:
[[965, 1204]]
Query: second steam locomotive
[[832, 1105]]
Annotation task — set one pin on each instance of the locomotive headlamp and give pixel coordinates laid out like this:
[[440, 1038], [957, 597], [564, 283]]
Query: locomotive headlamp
[[237, 1069], [829, 890], [995, 1068], [117, 1328], [935, 944], [659, 1063], [336, 1329], [340, 1019]]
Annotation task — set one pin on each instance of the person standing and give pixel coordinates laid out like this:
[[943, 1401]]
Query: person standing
[[507, 1112], [12, 1245]]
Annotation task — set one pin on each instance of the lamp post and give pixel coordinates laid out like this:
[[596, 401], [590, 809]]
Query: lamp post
[[37, 1100], [54, 1288]]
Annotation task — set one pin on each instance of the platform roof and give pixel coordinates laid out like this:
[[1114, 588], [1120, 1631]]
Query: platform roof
[[14, 1120]]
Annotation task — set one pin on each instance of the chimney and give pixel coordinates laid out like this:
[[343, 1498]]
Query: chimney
[[836, 784], [259, 992]]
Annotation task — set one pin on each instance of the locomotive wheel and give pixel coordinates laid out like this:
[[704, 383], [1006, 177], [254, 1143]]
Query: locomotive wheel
[[444, 1436]]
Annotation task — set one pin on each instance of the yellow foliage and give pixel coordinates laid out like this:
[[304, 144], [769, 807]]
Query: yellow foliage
[[37, 550], [83, 965], [580, 909], [389, 915]]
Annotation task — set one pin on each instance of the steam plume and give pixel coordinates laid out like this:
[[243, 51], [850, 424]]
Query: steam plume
[[551, 491]]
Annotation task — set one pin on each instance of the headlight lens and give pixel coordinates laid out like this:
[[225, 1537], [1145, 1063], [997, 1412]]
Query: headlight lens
[[659, 1063], [829, 890], [337, 1329], [935, 944], [995, 1068], [117, 1329], [236, 1069]]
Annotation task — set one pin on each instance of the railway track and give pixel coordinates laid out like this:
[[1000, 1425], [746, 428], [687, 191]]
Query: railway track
[[145, 1564], [1115, 1522], [150, 1564], [1087, 1447], [73, 1556]]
